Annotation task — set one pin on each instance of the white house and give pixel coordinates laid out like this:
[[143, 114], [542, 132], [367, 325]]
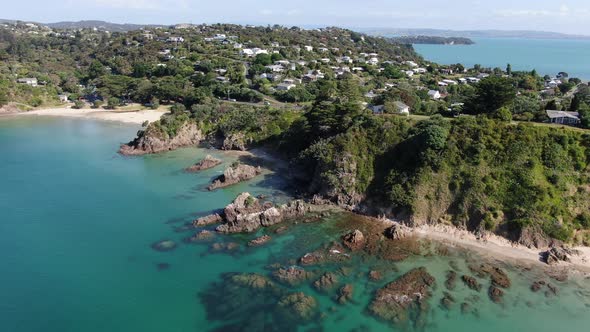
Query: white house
[[420, 70], [450, 82], [275, 68], [434, 94], [28, 81], [373, 61], [409, 73], [325, 60], [308, 48], [175, 40], [401, 108], [411, 64]]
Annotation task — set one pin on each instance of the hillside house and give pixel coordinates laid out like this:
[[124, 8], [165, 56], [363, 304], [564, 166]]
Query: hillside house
[[28, 81], [562, 117]]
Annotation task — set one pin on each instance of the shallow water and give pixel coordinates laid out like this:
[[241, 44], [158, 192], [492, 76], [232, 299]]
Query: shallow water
[[78, 222]]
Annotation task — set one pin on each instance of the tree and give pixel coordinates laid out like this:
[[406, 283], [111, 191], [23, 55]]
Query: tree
[[491, 93], [3, 98], [78, 104], [503, 114], [509, 69], [113, 103], [263, 59]]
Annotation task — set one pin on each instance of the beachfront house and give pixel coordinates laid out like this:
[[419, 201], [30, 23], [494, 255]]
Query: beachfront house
[[563, 117]]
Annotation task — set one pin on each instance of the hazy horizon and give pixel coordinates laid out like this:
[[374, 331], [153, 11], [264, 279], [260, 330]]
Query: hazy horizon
[[570, 17]]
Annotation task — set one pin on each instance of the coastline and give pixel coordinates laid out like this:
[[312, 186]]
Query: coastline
[[124, 116], [496, 247]]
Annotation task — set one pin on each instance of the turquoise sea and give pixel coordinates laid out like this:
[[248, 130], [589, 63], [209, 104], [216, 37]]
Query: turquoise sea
[[547, 56], [78, 220]]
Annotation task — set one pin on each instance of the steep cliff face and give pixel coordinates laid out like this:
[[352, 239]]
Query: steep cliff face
[[153, 140]]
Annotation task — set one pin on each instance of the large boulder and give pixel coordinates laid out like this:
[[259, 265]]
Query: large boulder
[[354, 240], [397, 232], [154, 140], [234, 174], [205, 163], [406, 296]]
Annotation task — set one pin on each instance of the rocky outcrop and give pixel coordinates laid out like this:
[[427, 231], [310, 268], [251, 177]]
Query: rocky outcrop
[[451, 281], [154, 140], [235, 174], [203, 235], [326, 282], [292, 275], [558, 254], [259, 241], [471, 282], [345, 294], [298, 306], [354, 240], [208, 220], [397, 232], [495, 294], [236, 141], [246, 214], [404, 297], [205, 163]]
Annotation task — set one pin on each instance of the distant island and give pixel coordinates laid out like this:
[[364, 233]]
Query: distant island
[[433, 40], [392, 32]]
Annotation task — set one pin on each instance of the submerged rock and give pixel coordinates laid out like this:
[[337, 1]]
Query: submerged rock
[[299, 305], [203, 235], [375, 275], [354, 240], [447, 301], [259, 241], [235, 174], [205, 163], [451, 281], [154, 140], [498, 277], [292, 275], [537, 285], [471, 282], [405, 298], [165, 245], [326, 282], [495, 294], [345, 294]]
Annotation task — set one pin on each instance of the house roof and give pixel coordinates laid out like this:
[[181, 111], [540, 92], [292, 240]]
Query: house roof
[[400, 105], [562, 114]]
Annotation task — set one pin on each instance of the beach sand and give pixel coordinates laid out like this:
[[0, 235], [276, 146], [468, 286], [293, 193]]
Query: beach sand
[[136, 117], [499, 248]]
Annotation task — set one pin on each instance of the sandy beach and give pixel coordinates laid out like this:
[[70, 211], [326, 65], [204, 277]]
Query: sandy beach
[[126, 116], [499, 248]]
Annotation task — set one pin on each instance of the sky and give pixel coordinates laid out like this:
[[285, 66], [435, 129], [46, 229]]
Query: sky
[[567, 16]]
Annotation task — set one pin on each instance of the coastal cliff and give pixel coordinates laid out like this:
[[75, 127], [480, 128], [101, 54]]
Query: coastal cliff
[[154, 140]]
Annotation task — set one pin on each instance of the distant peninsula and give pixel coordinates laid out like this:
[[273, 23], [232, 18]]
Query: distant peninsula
[[437, 40]]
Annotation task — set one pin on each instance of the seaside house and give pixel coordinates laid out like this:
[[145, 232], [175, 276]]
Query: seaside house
[[562, 117]]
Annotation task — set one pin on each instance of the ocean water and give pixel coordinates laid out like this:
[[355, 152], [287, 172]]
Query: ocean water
[[78, 220], [547, 56]]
